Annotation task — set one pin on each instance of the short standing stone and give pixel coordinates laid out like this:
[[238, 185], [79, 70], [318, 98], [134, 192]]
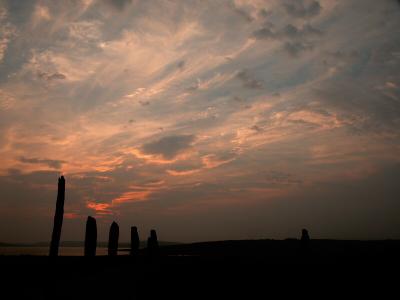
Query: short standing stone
[[113, 239], [134, 240], [91, 237]]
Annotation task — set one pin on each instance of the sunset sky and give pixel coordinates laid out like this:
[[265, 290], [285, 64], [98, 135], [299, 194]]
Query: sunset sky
[[203, 119]]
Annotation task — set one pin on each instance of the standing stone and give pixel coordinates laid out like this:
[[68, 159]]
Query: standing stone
[[305, 238], [58, 218], [152, 243], [113, 239], [153, 236], [134, 240], [305, 241], [90, 237]]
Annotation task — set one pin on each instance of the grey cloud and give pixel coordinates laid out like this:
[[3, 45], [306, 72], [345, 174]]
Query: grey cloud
[[186, 166], [37, 177], [304, 124], [249, 81], [238, 99], [243, 14], [54, 164], [169, 146], [296, 48], [56, 76], [295, 39], [50, 77], [302, 8], [119, 4], [281, 178], [264, 33], [256, 128], [288, 32], [20, 11], [181, 65], [344, 55], [308, 30], [144, 103], [263, 13], [194, 87]]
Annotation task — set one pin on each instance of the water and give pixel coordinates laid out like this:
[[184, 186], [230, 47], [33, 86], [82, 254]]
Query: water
[[63, 251]]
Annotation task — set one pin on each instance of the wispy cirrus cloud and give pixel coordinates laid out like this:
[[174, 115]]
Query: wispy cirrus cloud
[[54, 164]]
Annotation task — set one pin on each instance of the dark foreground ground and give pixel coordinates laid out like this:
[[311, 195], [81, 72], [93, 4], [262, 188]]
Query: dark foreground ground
[[262, 269]]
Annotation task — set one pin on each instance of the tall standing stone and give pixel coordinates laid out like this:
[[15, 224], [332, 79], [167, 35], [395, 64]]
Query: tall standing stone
[[58, 218], [90, 237], [113, 239], [134, 240]]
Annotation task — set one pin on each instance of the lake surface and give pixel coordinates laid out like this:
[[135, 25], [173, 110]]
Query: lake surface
[[63, 251]]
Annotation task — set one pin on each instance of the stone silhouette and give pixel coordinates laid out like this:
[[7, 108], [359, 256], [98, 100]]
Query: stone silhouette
[[113, 239], [58, 218], [305, 240], [152, 243], [134, 240], [90, 237]]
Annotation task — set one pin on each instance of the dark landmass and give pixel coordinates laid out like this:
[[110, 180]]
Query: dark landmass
[[258, 269], [324, 249]]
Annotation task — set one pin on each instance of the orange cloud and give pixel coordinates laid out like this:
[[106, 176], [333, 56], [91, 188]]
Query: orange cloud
[[182, 173], [211, 161], [99, 208], [138, 193], [150, 158], [134, 196], [71, 216]]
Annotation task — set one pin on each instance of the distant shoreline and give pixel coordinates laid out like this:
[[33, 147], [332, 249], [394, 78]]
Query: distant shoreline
[[79, 244]]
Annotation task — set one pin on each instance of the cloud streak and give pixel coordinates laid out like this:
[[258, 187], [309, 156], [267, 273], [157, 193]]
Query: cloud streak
[[54, 164]]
